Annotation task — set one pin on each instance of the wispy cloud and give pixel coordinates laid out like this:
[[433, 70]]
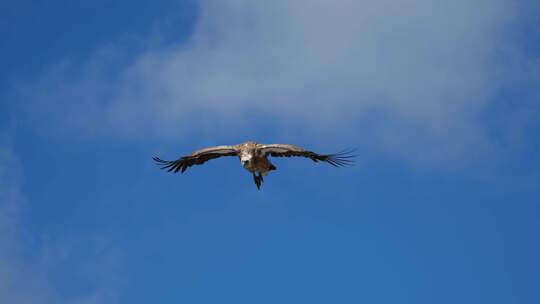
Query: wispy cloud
[[34, 269], [401, 76]]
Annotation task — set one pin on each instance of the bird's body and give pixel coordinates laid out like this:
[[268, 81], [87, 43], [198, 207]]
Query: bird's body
[[259, 164], [253, 157]]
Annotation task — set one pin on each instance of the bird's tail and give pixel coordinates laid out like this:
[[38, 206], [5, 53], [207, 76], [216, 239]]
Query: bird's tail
[[258, 179]]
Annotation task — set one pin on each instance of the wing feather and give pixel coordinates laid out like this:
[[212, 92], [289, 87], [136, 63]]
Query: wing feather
[[196, 158], [340, 159]]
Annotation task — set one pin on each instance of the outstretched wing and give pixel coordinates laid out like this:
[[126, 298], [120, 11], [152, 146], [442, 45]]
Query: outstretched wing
[[340, 159], [196, 158]]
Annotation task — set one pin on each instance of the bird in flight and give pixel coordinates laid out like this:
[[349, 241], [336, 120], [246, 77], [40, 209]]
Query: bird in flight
[[253, 157]]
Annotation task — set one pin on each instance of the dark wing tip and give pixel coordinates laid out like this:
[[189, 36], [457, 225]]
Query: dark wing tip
[[343, 158], [158, 160], [161, 162], [171, 165]]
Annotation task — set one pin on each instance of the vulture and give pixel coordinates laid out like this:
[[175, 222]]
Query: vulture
[[254, 158]]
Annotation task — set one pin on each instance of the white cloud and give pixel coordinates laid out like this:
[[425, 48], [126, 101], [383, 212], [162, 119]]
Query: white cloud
[[411, 77], [30, 277]]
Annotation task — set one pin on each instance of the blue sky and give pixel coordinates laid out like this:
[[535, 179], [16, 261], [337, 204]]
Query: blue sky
[[440, 97]]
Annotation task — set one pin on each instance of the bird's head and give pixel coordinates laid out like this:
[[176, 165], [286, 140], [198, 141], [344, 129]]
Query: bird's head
[[245, 158]]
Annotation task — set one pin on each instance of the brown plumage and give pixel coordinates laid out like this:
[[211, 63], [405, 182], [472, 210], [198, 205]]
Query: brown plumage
[[198, 157], [254, 157]]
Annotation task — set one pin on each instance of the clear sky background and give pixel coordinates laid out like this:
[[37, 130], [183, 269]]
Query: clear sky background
[[440, 97]]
